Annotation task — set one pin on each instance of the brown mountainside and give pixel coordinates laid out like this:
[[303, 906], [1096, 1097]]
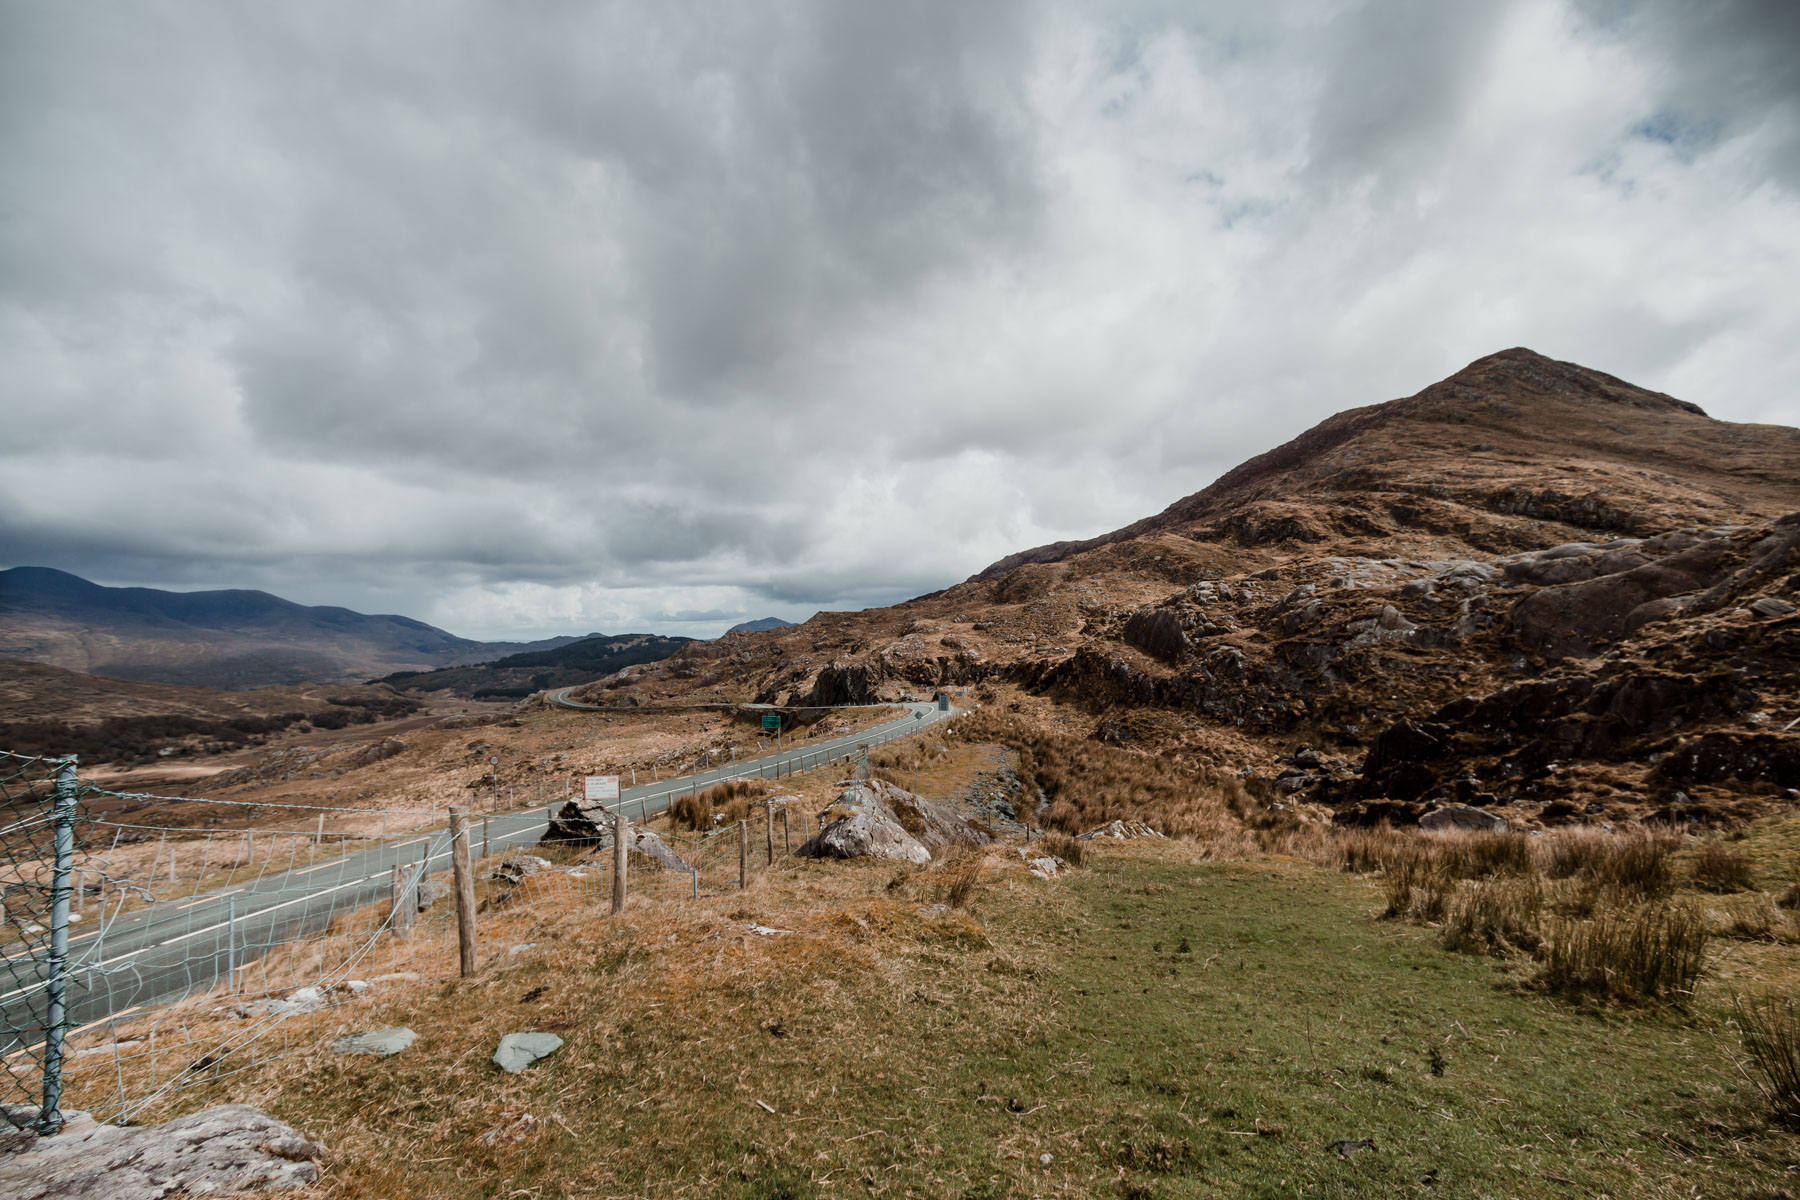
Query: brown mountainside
[[1531, 587]]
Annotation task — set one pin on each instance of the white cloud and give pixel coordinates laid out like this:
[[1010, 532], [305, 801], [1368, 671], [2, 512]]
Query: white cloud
[[626, 317]]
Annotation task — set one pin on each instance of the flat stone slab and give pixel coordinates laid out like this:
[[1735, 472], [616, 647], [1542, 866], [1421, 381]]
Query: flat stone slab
[[519, 1050], [229, 1150], [1461, 816], [382, 1042]]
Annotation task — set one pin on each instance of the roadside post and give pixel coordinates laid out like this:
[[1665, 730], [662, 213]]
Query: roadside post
[[465, 889], [621, 839]]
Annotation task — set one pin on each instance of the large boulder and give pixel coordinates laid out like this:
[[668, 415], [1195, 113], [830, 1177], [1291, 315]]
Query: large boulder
[[592, 826], [228, 1150], [875, 819]]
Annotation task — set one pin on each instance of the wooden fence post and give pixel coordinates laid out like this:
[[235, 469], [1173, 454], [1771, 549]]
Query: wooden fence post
[[319, 833], [465, 888], [401, 918], [487, 834], [744, 853], [787, 841], [621, 840], [769, 834]]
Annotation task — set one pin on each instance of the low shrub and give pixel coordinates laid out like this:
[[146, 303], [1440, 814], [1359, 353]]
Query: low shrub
[[1718, 868], [1770, 1028], [1653, 951]]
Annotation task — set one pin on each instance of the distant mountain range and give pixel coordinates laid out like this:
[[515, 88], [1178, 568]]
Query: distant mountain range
[[518, 675], [760, 624], [235, 640]]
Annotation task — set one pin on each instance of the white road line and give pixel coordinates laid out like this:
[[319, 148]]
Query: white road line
[[206, 900]]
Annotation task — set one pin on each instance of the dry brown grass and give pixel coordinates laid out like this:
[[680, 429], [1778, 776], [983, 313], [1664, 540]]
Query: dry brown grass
[[1636, 862], [1655, 951], [721, 804], [1064, 847], [1770, 1027], [1494, 916], [1719, 868], [1089, 783]]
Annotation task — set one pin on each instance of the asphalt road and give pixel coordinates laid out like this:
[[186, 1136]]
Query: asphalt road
[[157, 953]]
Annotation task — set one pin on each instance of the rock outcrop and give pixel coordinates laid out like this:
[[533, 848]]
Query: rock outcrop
[[228, 1150], [878, 820]]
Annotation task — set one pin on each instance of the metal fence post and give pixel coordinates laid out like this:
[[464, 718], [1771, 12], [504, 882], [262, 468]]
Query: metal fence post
[[621, 840], [56, 1025], [231, 945]]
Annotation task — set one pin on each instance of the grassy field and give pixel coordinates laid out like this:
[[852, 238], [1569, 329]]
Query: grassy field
[[1155, 1024]]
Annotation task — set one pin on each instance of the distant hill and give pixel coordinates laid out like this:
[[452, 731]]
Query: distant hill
[[519, 675], [760, 624], [232, 639]]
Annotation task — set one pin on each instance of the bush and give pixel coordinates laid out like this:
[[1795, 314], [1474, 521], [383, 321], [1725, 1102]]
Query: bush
[[1491, 916], [1651, 952], [1770, 1028], [1718, 868]]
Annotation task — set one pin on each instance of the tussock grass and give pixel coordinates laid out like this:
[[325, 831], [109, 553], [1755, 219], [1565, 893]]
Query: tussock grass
[[1719, 868], [1635, 863], [1493, 916], [1653, 952], [1064, 847], [720, 804], [1770, 1028]]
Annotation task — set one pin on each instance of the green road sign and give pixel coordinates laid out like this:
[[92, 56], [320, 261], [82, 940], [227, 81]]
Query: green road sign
[[771, 720]]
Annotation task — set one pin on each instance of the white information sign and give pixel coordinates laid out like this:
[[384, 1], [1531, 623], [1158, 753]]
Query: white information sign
[[601, 787]]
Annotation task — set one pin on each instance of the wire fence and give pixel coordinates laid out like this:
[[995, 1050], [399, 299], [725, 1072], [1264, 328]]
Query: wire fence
[[144, 960]]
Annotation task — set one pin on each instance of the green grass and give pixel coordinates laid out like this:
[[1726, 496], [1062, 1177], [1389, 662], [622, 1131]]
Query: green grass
[[1158, 1026]]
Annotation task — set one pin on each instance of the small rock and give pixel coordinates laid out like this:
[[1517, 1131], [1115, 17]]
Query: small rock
[[519, 1050], [379, 1042], [1044, 1160], [1770, 607], [514, 868]]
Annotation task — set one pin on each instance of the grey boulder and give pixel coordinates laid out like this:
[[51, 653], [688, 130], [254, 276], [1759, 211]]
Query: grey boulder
[[519, 1050], [875, 819], [1462, 816]]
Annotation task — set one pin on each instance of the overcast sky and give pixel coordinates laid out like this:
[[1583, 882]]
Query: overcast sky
[[548, 318]]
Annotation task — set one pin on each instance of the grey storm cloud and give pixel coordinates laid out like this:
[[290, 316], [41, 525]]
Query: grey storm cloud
[[607, 316]]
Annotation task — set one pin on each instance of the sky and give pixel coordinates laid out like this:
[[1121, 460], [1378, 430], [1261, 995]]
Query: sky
[[569, 317]]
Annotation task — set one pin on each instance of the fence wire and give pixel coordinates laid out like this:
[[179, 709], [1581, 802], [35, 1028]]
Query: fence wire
[[193, 954]]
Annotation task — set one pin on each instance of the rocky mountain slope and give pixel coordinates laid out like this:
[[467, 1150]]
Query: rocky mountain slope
[[222, 639], [1531, 587]]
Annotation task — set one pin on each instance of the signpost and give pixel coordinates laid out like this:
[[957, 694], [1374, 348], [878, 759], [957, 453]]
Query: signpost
[[773, 721], [600, 787]]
